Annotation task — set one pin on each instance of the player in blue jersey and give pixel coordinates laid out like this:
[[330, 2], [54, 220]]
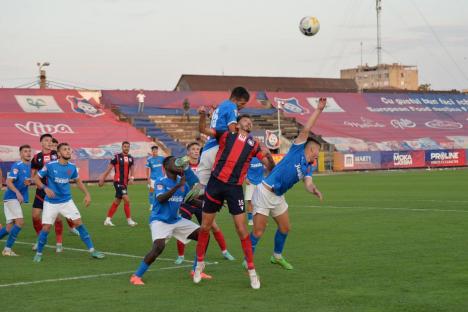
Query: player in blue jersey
[[59, 200], [154, 171], [224, 118], [254, 178], [268, 198], [165, 221], [18, 180]]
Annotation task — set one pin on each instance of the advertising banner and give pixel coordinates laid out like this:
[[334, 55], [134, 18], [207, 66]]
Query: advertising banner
[[403, 159], [445, 158]]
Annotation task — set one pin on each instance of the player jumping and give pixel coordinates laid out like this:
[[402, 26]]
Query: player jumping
[[18, 180], [236, 149], [123, 167], [268, 198], [59, 200]]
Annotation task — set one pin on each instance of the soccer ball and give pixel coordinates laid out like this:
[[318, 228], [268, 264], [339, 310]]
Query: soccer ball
[[309, 25]]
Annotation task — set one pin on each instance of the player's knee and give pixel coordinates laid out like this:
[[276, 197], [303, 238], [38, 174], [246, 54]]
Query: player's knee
[[19, 222], [258, 232], [46, 227], [284, 228]]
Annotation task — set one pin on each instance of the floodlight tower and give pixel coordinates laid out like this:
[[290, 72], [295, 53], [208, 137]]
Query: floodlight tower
[[378, 7]]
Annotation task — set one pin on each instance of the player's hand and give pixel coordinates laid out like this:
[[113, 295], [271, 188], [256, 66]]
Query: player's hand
[[322, 102], [27, 182], [182, 181], [131, 180], [87, 200], [317, 193], [19, 197], [247, 181], [49, 192], [101, 182]]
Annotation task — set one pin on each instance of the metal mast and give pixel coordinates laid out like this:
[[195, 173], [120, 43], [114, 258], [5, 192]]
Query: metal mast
[[378, 7]]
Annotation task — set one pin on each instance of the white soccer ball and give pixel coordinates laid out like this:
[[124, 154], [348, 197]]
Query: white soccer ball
[[309, 25]]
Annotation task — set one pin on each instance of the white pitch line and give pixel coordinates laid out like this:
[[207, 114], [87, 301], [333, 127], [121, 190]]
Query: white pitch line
[[73, 278], [384, 208], [107, 253]]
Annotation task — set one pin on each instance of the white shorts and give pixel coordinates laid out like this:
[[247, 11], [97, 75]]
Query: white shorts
[[249, 189], [266, 202], [207, 160], [13, 210], [51, 211], [151, 185], [180, 230]]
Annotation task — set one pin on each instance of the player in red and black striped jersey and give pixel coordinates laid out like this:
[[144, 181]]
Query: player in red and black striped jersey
[[236, 149], [122, 164], [46, 155]]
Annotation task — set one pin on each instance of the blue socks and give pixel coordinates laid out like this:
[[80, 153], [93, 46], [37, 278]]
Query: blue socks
[[84, 235], [254, 241], [3, 232], [41, 241], [12, 237], [141, 269], [249, 216], [280, 240]]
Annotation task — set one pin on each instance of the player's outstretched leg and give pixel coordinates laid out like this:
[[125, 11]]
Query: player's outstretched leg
[[58, 226], [280, 240], [156, 250], [180, 252], [13, 234], [111, 212], [219, 236], [203, 237], [127, 211], [41, 242], [71, 227], [86, 238]]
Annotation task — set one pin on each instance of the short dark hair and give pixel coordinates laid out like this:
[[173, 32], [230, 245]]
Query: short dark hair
[[54, 140], [22, 147], [153, 147], [240, 93], [166, 161], [192, 144], [125, 142], [242, 116], [314, 140], [62, 144], [45, 135]]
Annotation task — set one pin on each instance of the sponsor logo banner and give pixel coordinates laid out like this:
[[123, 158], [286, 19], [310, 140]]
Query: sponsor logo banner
[[403, 159], [361, 160], [37, 128], [38, 104], [272, 139], [444, 158]]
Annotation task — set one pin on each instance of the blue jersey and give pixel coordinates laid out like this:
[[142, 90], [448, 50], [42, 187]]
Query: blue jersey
[[190, 177], [19, 172], [224, 115], [255, 172], [155, 165], [292, 168], [168, 211], [58, 180]]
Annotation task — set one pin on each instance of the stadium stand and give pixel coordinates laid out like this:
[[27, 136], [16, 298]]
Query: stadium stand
[[78, 118]]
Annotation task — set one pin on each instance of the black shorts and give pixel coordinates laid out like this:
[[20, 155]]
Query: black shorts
[[120, 190], [187, 211], [39, 199], [216, 192]]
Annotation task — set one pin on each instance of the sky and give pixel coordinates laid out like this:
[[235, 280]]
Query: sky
[[127, 44]]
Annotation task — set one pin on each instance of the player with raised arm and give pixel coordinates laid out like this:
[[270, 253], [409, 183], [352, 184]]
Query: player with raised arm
[[18, 180], [224, 118], [236, 149], [122, 164], [165, 220], [268, 198], [154, 171], [59, 200]]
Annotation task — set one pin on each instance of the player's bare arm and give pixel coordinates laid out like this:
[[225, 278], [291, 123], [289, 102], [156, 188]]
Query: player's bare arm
[[165, 196], [304, 134], [42, 186], [11, 186], [82, 187], [312, 188], [105, 174], [202, 123]]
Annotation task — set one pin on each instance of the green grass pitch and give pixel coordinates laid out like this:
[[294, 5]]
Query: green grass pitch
[[382, 241]]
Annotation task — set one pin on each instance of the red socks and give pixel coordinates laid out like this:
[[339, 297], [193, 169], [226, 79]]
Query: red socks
[[58, 230], [37, 224], [127, 210], [112, 210], [203, 237], [220, 239], [180, 248], [247, 247]]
